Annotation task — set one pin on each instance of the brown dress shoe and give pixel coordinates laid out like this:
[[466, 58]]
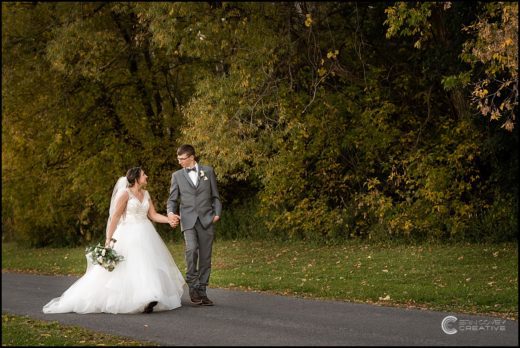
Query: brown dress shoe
[[206, 301], [194, 296], [149, 307]]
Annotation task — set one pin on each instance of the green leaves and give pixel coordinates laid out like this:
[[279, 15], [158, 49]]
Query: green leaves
[[322, 125]]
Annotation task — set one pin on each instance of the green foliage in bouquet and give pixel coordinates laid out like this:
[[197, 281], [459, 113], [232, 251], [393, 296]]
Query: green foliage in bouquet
[[106, 257]]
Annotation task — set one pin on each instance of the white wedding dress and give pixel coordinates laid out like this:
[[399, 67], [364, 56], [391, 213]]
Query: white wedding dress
[[147, 273]]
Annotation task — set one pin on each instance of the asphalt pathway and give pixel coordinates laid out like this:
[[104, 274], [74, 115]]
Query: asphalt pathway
[[259, 319]]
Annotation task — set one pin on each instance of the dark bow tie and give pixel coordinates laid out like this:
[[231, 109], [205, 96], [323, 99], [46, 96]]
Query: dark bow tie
[[190, 169]]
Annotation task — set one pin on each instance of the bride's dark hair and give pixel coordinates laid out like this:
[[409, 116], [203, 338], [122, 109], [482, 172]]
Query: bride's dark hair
[[132, 175]]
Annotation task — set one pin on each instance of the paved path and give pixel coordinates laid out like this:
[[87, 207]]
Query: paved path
[[258, 319]]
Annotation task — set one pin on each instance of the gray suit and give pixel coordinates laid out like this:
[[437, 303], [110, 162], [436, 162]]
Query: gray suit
[[198, 205]]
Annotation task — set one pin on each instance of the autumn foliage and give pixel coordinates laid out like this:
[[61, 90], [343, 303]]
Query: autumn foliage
[[323, 121]]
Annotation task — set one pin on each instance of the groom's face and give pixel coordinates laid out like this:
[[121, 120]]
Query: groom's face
[[186, 160]]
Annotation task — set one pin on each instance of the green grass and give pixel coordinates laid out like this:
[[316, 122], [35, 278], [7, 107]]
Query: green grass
[[24, 331], [460, 278], [463, 278]]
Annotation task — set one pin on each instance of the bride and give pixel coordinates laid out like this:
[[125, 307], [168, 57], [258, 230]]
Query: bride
[[147, 279]]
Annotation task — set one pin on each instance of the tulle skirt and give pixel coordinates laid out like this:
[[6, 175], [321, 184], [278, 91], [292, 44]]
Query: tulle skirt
[[148, 273]]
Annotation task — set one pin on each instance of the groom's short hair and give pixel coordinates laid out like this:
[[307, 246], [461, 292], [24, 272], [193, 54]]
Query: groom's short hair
[[186, 149]]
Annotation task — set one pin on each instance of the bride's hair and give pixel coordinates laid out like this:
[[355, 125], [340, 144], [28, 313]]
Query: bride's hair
[[132, 175]]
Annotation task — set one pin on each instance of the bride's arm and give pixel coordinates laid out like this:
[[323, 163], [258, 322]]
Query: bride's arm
[[114, 219], [155, 216]]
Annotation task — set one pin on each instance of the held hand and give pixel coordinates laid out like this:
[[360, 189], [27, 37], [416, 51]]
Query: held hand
[[173, 220], [172, 223], [177, 219], [109, 243]]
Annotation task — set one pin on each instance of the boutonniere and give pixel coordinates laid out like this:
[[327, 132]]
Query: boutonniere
[[203, 175]]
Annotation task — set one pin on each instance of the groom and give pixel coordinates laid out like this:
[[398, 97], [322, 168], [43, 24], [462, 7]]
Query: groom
[[195, 187]]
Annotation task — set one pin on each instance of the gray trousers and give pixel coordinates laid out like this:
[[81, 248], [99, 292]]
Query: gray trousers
[[199, 244]]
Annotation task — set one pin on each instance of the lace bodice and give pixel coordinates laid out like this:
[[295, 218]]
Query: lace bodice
[[135, 209]]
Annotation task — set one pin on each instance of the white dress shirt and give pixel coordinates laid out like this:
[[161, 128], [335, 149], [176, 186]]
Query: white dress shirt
[[194, 175]]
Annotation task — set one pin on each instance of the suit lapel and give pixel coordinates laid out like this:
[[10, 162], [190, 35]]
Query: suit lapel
[[199, 177]]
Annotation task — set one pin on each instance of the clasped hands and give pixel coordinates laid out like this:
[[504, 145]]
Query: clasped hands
[[173, 220]]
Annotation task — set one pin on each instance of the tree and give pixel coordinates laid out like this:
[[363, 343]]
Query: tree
[[85, 72], [323, 121]]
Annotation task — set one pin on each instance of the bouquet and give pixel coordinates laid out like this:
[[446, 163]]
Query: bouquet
[[106, 257]]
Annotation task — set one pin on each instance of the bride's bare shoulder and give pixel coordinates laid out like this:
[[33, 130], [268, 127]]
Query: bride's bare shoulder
[[125, 194]]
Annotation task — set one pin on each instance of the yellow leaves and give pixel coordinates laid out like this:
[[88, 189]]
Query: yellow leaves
[[496, 47], [495, 114], [390, 11], [508, 125], [481, 93], [308, 20], [408, 226], [322, 71], [372, 183], [58, 138], [497, 56], [332, 55]]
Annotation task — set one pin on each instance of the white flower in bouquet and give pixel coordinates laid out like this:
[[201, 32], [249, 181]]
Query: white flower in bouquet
[[106, 257]]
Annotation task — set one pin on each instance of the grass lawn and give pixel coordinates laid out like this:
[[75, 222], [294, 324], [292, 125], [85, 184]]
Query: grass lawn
[[23, 331], [464, 278]]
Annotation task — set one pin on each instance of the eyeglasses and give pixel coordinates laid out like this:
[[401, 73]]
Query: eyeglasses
[[183, 159]]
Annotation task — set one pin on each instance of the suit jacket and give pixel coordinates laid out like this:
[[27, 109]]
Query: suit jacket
[[200, 201]]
